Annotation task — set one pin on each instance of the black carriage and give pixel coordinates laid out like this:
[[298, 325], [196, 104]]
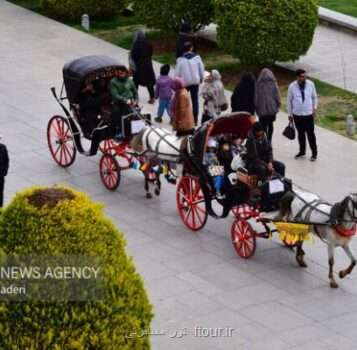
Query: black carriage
[[66, 133], [196, 196]]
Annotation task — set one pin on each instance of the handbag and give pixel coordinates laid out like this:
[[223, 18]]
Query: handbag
[[289, 131]]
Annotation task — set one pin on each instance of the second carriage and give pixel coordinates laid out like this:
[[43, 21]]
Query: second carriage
[[196, 196]]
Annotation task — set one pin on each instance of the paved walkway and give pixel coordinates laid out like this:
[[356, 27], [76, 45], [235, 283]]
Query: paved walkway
[[331, 58], [194, 280]]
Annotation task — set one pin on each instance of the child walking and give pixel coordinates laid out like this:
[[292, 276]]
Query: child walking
[[163, 92]]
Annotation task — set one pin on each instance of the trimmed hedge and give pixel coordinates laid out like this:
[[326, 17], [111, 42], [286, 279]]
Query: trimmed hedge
[[56, 221], [260, 32], [74, 9], [169, 15]]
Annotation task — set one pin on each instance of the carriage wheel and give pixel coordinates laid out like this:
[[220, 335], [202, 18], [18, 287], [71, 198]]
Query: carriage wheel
[[60, 141], [243, 238], [191, 203], [109, 172], [107, 146]]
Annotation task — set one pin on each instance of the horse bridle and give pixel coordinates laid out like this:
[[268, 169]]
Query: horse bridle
[[352, 212]]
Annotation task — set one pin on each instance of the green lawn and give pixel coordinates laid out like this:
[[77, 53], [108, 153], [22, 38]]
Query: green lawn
[[348, 7]]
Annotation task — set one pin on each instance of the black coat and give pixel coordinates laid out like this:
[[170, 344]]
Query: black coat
[[243, 97], [258, 151], [141, 53], [4, 160], [90, 107]]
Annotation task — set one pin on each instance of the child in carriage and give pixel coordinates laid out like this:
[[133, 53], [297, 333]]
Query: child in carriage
[[215, 169], [124, 95]]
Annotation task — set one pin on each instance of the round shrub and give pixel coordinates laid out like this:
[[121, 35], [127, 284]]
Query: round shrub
[[169, 15], [260, 32], [59, 221], [74, 9]]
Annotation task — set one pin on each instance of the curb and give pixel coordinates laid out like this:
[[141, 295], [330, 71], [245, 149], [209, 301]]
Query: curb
[[338, 20]]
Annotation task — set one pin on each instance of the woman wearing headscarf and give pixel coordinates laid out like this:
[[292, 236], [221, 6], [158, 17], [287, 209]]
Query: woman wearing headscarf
[[243, 96], [267, 100], [181, 109], [141, 63], [213, 96], [219, 88]]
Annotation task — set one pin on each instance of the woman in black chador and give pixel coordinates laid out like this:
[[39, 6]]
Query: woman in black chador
[[141, 63], [243, 96]]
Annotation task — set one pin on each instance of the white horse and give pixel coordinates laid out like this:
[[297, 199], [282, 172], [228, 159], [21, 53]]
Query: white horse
[[333, 224]]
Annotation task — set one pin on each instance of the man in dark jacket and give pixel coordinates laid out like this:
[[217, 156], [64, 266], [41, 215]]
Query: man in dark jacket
[[92, 99], [259, 157], [4, 167]]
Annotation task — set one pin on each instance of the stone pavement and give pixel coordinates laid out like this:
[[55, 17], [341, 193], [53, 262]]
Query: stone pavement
[[194, 280], [331, 58]]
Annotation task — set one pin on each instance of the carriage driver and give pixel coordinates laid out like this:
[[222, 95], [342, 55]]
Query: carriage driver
[[259, 157], [124, 96]]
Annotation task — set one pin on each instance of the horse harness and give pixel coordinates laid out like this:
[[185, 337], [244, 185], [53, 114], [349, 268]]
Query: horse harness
[[334, 218], [310, 207]]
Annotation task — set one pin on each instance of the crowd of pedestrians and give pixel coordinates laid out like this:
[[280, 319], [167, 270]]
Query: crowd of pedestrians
[[258, 95]]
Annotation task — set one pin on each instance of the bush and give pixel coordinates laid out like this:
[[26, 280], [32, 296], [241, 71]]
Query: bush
[[261, 32], [74, 9], [169, 15], [57, 221]]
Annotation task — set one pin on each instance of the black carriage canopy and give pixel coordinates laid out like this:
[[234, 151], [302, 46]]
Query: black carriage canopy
[[238, 123], [86, 68]]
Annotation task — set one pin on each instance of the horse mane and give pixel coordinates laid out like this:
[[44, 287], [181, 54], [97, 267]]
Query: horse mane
[[338, 210]]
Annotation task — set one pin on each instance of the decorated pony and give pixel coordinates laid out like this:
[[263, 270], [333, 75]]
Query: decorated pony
[[333, 224]]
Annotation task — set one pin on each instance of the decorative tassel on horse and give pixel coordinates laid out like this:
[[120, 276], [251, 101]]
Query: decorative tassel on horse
[[293, 233]]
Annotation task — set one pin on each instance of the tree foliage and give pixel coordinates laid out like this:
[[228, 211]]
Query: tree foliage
[[169, 15], [74, 9], [36, 223], [265, 31]]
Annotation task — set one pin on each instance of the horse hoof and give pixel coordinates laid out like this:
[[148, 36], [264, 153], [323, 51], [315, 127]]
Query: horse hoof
[[301, 262], [333, 284], [342, 274], [148, 195]]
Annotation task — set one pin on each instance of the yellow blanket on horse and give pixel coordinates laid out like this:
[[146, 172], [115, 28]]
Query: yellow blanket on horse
[[293, 233]]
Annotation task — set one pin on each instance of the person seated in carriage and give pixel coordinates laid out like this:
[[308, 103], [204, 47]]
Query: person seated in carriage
[[215, 169], [94, 96], [259, 156], [125, 97]]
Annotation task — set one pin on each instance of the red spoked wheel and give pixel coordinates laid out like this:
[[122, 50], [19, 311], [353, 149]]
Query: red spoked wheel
[[243, 238], [108, 146], [109, 172], [191, 203], [60, 141]]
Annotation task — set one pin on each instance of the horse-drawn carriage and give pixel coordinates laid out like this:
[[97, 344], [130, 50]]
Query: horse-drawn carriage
[[65, 134], [196, 195]]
